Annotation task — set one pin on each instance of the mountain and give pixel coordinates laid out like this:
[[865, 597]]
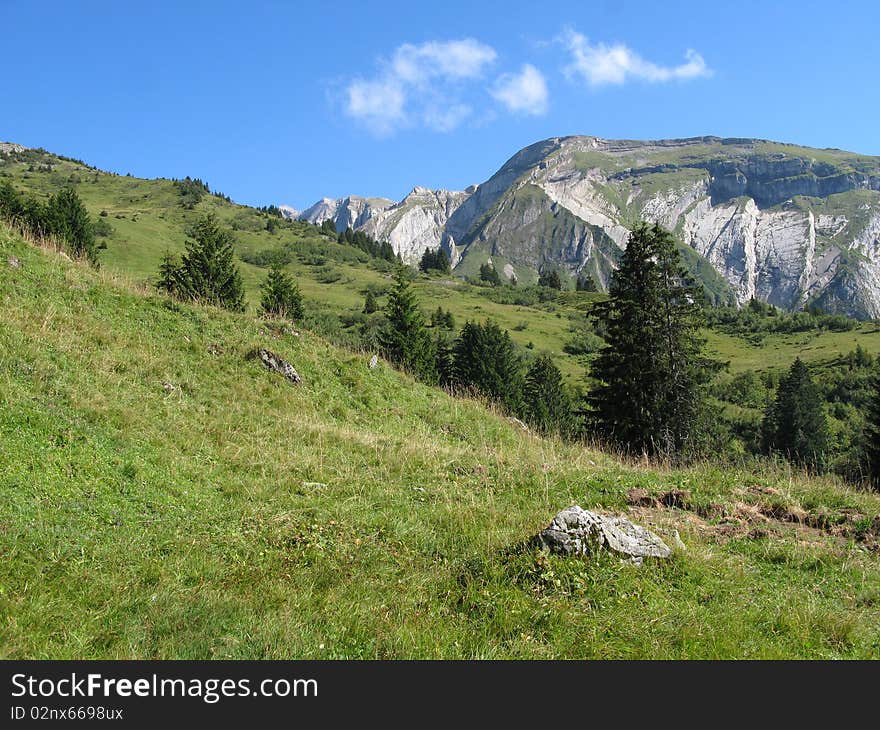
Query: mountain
[[785, 224]]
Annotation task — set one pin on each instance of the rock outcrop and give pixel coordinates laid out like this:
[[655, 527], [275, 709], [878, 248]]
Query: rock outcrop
[[786, 224], [276, 364], [579, 532]]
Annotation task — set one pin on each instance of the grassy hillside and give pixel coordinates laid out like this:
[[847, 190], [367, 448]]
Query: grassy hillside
[[147, 219], [163, 496]]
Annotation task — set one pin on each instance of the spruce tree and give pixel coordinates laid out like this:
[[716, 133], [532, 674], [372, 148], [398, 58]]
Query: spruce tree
[[370, 303], [649, 393], [551, 279], [169, 274], [207, 271], [280, 295], [794, 424], [486, 361], [444, 359], [489, 274], [405, 340], [69, 220], [547, 404], [872, 435]]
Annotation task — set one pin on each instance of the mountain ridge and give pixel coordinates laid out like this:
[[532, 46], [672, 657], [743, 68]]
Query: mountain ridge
[[776, 221]]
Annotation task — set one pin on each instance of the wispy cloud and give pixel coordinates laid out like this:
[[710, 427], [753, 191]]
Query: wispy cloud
[[524, 92], [601, 64], [420, 85], [380, 104], [464, 59]]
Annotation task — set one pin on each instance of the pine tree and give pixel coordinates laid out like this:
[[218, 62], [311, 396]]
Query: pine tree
[[794, 424], [650, 375], [547, 404], [207, 271], [405, 340], [69, 220], [280, 295], [328, 228], [551, 279], [169, 274], [370, 303], [872, 435], [489, 274], [486, 361], [434, 260], [444, 359]]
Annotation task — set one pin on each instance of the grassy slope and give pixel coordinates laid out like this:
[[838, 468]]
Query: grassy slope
[[139, 521], [153, 222]]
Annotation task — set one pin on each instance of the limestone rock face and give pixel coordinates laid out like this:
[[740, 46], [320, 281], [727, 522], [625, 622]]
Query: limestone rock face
[[579, 532], [785, 224]]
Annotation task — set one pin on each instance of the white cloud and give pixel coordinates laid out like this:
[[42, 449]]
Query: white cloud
[[446, 118], [379, 104], [602, 64], [525, 92], [422, 84], [464, 59]]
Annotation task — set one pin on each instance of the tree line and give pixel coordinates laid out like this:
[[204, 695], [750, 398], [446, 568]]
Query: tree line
[[62, 217], [649, 380]]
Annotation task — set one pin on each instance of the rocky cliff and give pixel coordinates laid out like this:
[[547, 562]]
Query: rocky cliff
[[787, 224]]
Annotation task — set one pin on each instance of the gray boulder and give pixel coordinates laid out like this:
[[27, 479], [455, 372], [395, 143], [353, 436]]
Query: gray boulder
[[274, 363], [579, 532]]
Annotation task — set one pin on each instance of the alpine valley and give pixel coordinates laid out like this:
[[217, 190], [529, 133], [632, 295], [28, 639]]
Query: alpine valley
[[790, 225]]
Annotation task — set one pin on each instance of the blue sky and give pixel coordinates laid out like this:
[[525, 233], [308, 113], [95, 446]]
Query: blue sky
[[289, 102]]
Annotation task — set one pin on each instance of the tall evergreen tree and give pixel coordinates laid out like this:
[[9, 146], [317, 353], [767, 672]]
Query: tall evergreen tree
[[872, 435], [486, 360], [435, 260], [444, 358], [405, 340], [550, 278], [69, 220], [795, 424], [650, 375], [547, 404], [280, 295], [370, 303], [169, 274], [489, 274], [207, 270]]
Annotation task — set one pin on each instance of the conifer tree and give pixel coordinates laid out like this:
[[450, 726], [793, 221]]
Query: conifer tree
[[486, 361], [169, 273], [280, 295], [207, 270], [650, 375], [547, 404], [550, 278], [794, 424], [434, 260], [370, 303], [69, 220], [405, 340], [444, 359], [872, 435], [489, 274]]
